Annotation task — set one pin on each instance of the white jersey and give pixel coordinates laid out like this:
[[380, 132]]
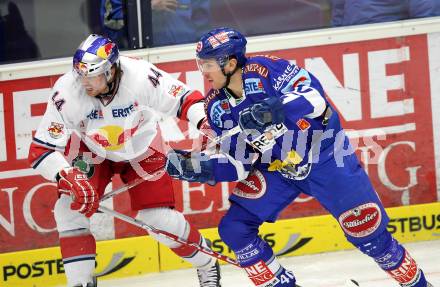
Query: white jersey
[[122, 129]]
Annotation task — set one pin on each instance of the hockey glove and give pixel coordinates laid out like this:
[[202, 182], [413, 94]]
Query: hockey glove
[[192, 167], [84, 195], [205, 137], [261, 115]]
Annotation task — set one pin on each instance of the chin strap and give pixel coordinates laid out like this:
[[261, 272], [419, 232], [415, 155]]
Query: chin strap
[[228, 76], [113, 86]]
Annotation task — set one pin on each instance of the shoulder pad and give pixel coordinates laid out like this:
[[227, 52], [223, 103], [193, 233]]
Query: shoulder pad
[[256, 66], [266, 57]]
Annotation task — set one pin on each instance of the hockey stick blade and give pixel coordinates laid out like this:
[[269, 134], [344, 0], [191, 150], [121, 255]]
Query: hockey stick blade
[[167, 235]]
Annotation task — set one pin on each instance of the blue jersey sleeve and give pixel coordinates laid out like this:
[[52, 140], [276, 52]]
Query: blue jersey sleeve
[[300, 92], [234, 159], [303, 101]]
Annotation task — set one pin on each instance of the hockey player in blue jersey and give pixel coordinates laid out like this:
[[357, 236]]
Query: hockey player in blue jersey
[[290, 141]]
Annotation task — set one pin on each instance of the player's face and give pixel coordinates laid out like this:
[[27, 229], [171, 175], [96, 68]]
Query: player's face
[[212, 72], [94, 86]]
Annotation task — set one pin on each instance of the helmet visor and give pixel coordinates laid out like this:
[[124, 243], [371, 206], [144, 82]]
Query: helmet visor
[[91, 69], [208, 65], [95, 81]]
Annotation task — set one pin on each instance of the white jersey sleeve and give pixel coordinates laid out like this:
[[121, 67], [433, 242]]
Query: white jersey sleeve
[[51, 137]]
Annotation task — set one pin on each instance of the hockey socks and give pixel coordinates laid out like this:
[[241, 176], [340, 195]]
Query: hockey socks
[[190, 253], [401, 266], [262, 267], [394, 259], [172, 221], [78, 249]]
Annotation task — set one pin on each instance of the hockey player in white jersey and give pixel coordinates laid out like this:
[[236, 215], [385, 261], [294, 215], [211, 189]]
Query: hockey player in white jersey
[[101, 119]]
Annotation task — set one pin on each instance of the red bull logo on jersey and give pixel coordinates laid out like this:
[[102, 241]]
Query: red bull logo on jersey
[[176, 90], [105, 51], [112, 138], [56, 130], [361, 221]]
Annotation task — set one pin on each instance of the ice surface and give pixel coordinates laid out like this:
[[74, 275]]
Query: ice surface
[[320, 270]]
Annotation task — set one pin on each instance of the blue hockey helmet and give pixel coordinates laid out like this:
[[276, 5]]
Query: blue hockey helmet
[[220, 44], [95, 56]]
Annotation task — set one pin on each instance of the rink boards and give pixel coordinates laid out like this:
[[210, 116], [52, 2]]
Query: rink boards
[[382, 80], [141, 255]]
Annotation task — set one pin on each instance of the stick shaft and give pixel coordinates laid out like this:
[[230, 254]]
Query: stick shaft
[[127, 186], [168, 235]]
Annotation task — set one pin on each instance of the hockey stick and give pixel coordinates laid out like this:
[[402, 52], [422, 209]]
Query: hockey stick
[[167, 235], [170, 236], [132, 184], [214, 141]]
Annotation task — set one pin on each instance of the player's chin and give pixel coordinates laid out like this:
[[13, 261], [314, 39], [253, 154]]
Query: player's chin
[[216, 85], [92, 92]]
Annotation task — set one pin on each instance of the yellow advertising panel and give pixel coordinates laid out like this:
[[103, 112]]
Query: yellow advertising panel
[[44, 267], [34, 268], [415, 222], [127, 257], [140, 255]]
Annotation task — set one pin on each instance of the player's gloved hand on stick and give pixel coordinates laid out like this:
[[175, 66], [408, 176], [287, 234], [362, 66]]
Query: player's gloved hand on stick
[[192, 167], [84, 195], [262, 114]]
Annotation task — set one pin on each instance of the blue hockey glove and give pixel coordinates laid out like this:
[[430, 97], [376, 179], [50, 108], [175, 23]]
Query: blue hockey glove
[[192, 167], [262, 114]]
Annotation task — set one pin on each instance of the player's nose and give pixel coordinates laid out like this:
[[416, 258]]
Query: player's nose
[[206, 75], [85, 81]]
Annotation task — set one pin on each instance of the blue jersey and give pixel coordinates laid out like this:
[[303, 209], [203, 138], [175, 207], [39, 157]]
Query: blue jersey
[[308, 153], [306, 118]]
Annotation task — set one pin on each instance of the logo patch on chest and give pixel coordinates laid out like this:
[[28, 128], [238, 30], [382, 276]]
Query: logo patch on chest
[[217, 111], [266, 141], [85, 164], [123, 112], [253, 86]]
